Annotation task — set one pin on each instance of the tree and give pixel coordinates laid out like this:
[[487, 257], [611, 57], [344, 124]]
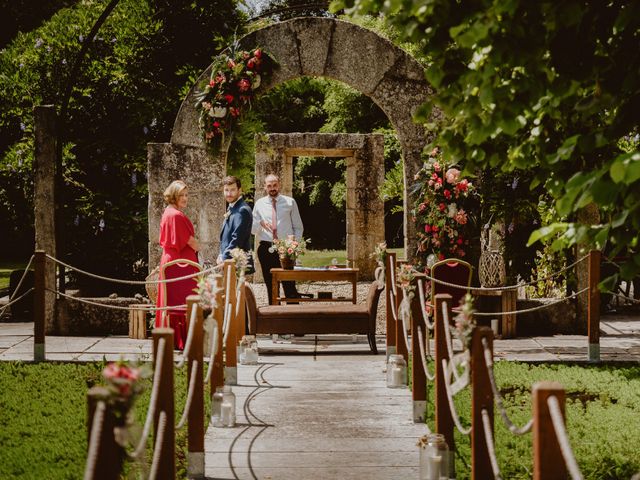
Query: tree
[[551, 87]]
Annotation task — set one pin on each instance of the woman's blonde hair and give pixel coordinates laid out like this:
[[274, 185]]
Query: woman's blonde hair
[[173, 191]]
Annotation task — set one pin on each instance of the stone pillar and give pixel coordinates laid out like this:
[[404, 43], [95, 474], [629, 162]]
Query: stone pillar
[[365, 208], [44, 200], [589, 215], [203, 174]]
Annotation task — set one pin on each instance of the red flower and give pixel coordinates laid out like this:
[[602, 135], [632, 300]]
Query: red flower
[[216, 124], [463, 185], [459, 241], [228, 98], [442, 207], [447, 194], [212, 83], [434, 176], [251, 63], [435, 228], [257, 53], [231, 63], [244, 85], [427, 228], [234, 111], [441, 256]]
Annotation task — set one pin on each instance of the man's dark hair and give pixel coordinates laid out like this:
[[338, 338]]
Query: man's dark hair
[[230, 180]]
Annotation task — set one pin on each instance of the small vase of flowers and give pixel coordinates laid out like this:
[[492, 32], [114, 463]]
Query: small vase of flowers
[[289, 249]]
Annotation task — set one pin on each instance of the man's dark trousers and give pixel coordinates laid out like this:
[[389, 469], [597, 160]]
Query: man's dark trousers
[[269, 260]]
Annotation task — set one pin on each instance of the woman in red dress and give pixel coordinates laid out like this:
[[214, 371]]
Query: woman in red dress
[[178, 242]]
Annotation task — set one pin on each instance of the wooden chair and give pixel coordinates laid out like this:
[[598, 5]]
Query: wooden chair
[[451, 270], [182, 263]]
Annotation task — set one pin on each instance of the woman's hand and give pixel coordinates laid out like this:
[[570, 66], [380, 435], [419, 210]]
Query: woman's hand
[[193, 243]]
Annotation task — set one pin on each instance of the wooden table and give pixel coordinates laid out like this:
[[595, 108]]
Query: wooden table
[[508, 304], [313, 275]]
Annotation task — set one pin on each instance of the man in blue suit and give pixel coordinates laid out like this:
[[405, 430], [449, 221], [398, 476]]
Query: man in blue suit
[[236, 229]]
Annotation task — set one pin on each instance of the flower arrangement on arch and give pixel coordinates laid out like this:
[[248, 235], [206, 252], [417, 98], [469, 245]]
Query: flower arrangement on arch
[[207, 290], [289, 247], [235, 78], [440, 217]]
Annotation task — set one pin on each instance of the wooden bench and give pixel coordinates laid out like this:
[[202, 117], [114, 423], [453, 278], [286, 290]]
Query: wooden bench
[[316, 318]]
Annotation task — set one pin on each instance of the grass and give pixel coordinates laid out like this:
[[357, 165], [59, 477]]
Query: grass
[[5, 271], [43, 419], [320, 258], [43, 412]]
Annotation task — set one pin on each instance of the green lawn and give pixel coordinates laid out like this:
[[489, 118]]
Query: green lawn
[[321, 258], [5, 271], [43, 419]]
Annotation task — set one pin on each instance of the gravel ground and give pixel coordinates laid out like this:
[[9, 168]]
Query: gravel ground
[[338, 290]]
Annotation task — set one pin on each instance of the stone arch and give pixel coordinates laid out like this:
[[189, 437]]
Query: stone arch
[[320, 47]]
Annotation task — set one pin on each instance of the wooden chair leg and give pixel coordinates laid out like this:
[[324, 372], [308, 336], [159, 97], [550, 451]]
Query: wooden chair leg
[[372, 343]]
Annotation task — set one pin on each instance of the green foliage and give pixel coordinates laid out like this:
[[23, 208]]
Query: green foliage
[[603, 419], [126, 94], [43, 412], [544, 86]]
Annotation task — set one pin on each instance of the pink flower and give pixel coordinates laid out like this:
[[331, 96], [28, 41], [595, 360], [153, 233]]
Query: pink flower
[[244, 85], [434, 152], [212, 83], [447, 194], [251, 63], [234, 111], [231, 63], [436, 167], [427, 228], [257, 53], [290, 250], [435, 228], [431, 183], [461, 217], [452, 175], [422, 207], [434, 176]]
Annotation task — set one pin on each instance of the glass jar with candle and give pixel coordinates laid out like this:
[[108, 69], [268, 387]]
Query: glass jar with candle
[[249, 350], [396, 371], [228, 407], [434, 457], [216, 408]]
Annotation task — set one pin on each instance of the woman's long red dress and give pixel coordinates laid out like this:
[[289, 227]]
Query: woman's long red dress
[[175, 231]]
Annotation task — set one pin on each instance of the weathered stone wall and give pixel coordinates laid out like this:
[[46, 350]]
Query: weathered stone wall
[[203, 175], [365, 176], [76, 318], [324, 47]]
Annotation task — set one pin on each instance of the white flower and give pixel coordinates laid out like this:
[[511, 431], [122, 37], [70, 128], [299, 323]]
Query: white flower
[[218, 112], [255, 83], [452, 209]]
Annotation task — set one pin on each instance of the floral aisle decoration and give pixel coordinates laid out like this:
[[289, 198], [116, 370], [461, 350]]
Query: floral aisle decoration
[[208, 289], [235, 79], [241, 258], [380, 256], [442, 222], [464, 323]]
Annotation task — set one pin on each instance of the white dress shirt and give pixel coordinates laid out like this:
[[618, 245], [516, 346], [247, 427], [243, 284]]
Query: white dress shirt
[[288, 218]]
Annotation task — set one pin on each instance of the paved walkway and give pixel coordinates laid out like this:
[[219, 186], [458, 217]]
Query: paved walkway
[[620, 341]]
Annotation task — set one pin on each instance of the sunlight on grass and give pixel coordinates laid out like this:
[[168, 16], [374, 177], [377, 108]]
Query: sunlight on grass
[[5, 271], [321, 258]]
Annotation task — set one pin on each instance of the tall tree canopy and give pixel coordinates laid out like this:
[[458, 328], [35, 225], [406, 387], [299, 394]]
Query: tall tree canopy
[[548, 86]]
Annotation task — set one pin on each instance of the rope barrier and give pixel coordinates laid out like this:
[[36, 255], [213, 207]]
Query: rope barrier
[[94, 439], [563, 439], [157, 448], [491, 449], [11, 302], [423, 305], [488, 360], [447, 334], [15, 292], [506, 287], [423, 357], [131, 282], [532, 309], [189, 341], [139, 450], [452, 408], [213, 349], [624, 297], [114, 307], [192, 389]]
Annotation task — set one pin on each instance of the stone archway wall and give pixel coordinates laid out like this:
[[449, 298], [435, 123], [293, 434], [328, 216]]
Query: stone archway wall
[[364, 154], [318, 47]]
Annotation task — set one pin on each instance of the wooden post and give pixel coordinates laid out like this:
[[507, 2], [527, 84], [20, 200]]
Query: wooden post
[[481, 399], [39, 309], [391, 324], [593, 305], [444, 420], [167, 466], [231, 347], [509, 298], [195, 417], [547, 457], [217, 375], [418, 375], [110, 455]]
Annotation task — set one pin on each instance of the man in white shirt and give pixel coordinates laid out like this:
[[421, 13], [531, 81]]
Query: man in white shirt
[[275, 216]]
